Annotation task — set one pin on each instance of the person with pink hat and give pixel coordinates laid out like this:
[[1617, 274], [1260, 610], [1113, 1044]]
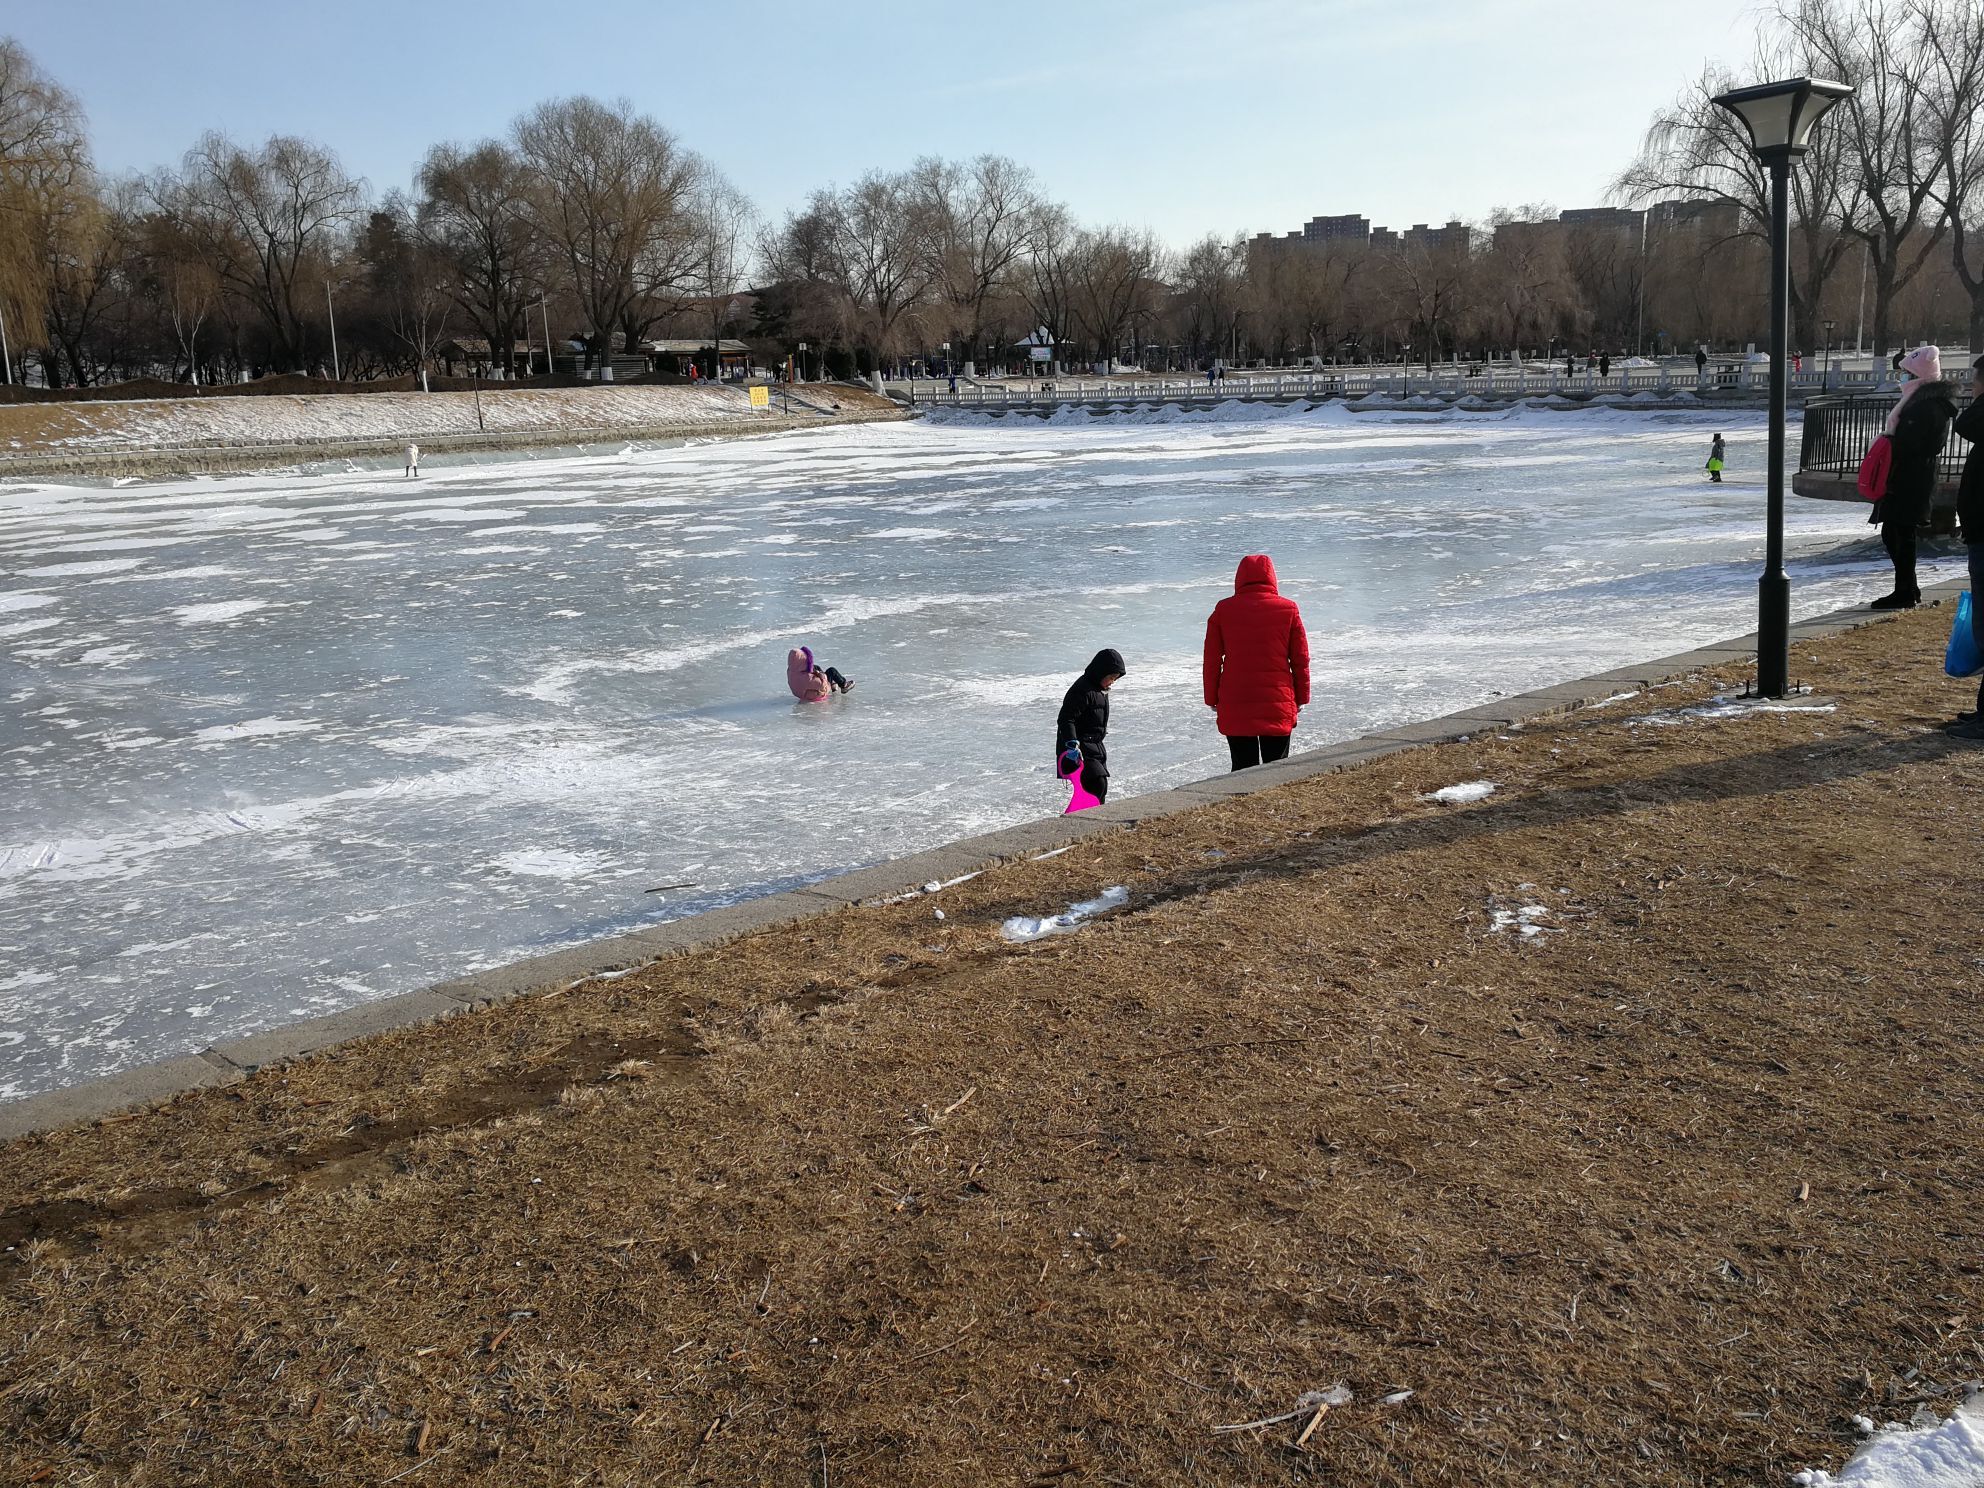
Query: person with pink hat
[[1919, 427]]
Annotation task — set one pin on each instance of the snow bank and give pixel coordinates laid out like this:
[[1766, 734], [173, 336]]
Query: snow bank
[[268, 419], [1934, 1454], [1025, 928]]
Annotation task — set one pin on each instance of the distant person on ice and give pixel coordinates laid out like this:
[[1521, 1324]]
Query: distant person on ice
[[1919, 426], [412, 460], [1256, 665], [1716, 455], [810, 682], [1701, 361], [1084, 721]]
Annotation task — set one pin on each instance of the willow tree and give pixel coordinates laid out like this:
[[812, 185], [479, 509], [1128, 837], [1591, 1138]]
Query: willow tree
[[47, 192], [614, 195]]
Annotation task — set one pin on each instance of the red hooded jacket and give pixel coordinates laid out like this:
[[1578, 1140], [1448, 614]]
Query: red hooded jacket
[[1257, 655]]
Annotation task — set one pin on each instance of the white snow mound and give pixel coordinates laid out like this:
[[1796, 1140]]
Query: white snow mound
[[1943, 1454], [1464, 794], [1025, 927]]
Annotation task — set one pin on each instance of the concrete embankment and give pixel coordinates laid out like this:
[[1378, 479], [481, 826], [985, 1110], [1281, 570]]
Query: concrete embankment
[[187, 436]]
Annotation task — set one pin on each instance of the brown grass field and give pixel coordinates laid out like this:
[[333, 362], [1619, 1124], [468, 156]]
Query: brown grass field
[[1661, 1194]]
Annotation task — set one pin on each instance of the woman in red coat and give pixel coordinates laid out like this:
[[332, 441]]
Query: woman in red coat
[[1257, 665]]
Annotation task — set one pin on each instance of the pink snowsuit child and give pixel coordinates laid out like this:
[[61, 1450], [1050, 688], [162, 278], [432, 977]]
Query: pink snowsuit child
[[810, 682]]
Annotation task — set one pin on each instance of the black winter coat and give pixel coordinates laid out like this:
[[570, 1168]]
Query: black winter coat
[[1084, 714], [1970, 494], [1919, 436]]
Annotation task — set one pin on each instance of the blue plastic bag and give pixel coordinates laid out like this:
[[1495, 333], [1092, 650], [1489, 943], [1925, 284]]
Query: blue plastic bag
[[1963, 658]]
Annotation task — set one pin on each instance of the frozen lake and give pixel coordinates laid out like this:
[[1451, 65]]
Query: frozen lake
[[277, 745]]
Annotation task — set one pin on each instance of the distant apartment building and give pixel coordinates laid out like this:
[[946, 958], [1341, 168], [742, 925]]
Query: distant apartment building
[[1627, 224], [1453, 238], [1708, 217], [1351, 225]]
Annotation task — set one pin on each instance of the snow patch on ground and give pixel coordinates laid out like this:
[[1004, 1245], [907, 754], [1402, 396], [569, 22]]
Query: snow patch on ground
[[1464, 794], [1720, 710], [1930, 1454], [1025, 928]]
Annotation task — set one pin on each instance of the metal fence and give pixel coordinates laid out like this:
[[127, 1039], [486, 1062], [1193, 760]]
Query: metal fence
[[1839, 430], [1495, 380]]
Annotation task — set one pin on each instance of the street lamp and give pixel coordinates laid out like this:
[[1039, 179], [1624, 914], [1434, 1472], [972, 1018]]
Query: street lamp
[[1828, 329], [1779, 117]]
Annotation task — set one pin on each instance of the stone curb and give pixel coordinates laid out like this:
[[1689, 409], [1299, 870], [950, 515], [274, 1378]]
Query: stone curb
[[228, 1063]]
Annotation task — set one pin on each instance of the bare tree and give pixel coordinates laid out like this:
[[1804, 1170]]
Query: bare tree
[[1049, 285], [1953, 35], [475, 214], [879, 236], [1115, 281], [725, 224], [1211, 282], [1896, 149], [613, 193], [979, 221], [1697, 149], [269, 220]]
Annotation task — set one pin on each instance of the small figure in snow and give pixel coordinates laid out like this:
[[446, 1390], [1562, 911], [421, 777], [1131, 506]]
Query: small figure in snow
[[1715, 458], [412, 460], [810, 682], [1083, 722], [1605, 364], [1701, 361], [1570, 365]]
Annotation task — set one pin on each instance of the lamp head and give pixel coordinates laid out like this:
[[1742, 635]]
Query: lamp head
[[1779, 116]]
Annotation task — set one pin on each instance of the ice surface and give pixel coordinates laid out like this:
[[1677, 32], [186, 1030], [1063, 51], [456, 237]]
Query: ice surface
[[522, 722], [1943, 1454]]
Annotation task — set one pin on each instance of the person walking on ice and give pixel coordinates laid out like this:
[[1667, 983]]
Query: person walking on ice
[[1083, 722], [1256, 665], [1716, 456], [412, 460]]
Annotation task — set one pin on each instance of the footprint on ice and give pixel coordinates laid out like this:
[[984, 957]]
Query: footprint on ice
[[1464, 794], [1025, 928]]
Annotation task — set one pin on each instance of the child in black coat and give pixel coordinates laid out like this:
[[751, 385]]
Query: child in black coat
[[1084, 721]]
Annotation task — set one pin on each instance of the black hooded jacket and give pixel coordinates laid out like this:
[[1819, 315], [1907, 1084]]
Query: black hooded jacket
[[1970, 494], [1085, 709], [1919, 436]]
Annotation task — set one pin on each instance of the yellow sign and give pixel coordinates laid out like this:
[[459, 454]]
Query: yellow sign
[[761, 397]]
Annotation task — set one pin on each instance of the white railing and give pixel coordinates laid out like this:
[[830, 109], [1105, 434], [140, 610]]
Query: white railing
[[1490, 380]]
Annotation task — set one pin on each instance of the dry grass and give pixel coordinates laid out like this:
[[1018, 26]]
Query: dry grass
[[1659, 1197]]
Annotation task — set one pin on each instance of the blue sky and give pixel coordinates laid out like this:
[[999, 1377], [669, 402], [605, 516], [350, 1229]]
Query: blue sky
[[1185, 116]]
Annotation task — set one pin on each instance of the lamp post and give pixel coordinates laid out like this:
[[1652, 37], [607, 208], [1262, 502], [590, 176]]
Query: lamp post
[[336, 374], [1828, 328], [1779, 117]]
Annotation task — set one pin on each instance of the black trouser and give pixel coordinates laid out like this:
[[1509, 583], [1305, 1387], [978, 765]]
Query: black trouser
[[836, 679], [1095, 778], [1256, 749], [1898, 537]]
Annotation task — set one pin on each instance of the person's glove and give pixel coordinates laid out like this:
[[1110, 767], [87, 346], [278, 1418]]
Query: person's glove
[[1070, 759]]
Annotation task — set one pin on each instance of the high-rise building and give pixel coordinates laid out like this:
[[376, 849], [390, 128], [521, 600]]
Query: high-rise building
[[1454, 237], [1329, 229], [1616, 219]]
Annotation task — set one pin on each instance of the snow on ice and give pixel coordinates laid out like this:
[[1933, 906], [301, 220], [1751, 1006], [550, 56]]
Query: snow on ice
[[573, 686]]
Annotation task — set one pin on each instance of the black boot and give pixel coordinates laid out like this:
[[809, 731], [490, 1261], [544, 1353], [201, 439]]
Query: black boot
[[1897, 601]]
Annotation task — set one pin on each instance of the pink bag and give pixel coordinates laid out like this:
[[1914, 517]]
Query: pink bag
[[1874, 468]]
